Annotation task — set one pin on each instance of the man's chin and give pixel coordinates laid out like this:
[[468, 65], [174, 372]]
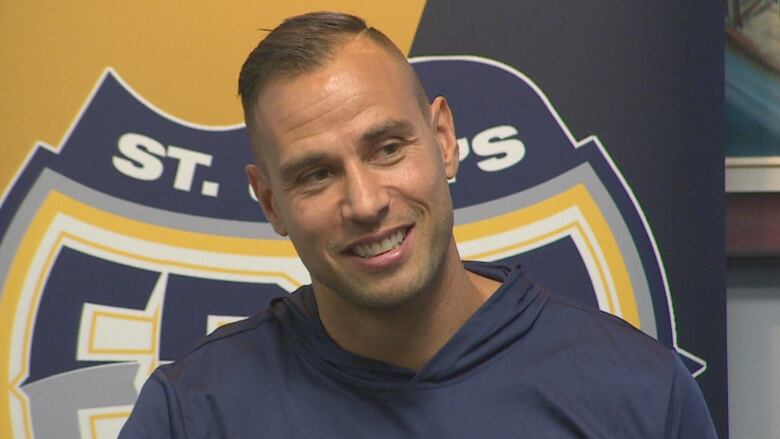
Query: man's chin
[[383, 294]]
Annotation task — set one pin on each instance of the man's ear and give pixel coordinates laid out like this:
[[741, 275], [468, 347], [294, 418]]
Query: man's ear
[[259, 182], [444, 129]]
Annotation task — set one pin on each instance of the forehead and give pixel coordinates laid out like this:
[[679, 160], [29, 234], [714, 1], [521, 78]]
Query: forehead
[[362, 83]]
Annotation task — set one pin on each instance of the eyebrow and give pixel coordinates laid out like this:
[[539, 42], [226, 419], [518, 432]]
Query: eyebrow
[[399, 127], [292, 167]]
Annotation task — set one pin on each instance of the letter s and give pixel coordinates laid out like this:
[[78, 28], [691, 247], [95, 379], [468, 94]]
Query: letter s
[[496, 143], [141, 151]]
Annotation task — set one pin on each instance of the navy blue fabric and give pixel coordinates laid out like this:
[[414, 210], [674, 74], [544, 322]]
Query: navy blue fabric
[[527, 364]]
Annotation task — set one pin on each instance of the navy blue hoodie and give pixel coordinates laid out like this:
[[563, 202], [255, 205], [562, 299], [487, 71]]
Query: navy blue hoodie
[[526, 364]]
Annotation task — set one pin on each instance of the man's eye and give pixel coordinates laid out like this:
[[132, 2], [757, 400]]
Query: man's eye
[[388, 152], [317, 175], [390, 149]]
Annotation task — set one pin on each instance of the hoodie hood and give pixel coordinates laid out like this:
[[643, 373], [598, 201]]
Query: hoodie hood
[[504, 318]]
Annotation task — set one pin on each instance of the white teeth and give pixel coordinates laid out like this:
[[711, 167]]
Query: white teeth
[[377, 248]]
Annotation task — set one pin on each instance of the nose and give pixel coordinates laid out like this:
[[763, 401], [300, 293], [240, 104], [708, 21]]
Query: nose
[[366, 198]]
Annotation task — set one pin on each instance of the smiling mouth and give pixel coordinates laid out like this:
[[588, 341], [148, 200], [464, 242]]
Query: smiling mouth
[[379, 247]]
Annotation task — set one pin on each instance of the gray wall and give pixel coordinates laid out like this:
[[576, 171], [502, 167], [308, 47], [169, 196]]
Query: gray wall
[[753, 326]]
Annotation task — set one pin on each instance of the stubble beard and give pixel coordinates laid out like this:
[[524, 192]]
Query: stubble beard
[[402, 287], [392, 292]]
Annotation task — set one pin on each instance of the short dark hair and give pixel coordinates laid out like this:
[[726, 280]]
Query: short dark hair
[[302, 44]]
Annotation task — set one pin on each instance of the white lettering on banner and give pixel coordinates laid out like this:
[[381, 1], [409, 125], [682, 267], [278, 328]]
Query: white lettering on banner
[[140, 160], [188, 161], [141, 150], [141, 157], [497, 143], [252, 193], [463, 148]]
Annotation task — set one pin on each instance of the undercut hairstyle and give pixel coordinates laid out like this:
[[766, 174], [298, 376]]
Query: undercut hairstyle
[[304, 43]]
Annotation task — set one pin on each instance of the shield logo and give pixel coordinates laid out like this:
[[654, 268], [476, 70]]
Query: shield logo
[[140, 235]]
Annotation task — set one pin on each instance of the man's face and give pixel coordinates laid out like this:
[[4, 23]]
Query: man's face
[[356, 174]]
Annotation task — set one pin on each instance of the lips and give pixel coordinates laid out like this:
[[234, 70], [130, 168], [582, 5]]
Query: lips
[[372, 249]]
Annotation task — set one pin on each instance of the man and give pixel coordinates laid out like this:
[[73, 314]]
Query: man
[[396, 337]]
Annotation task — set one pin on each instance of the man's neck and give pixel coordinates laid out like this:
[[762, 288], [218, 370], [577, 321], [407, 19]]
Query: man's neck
[[408, 335]]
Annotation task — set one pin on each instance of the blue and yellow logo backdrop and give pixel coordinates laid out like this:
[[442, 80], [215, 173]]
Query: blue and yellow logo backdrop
[[128, 229]]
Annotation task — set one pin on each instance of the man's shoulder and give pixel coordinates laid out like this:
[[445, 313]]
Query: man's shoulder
[[608, 339], [586, 332], [587, 317], [250, 343], [587, 360], [235, 332], [238, 365]]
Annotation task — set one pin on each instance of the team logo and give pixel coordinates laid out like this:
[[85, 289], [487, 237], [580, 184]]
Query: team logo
[[141, 235]]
